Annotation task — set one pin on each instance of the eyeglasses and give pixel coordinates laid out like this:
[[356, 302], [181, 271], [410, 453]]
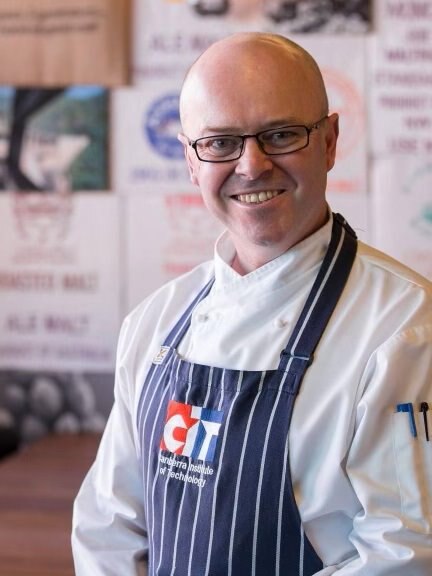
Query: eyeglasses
[[274, 142]]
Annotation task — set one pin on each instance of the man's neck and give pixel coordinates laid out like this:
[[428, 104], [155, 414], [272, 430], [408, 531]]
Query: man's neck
[[245, 263], [249, 257]]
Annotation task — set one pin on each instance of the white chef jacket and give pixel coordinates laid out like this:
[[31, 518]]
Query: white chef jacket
[[362, 481]]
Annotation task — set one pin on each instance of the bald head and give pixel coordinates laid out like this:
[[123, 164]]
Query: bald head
[[242, 64]]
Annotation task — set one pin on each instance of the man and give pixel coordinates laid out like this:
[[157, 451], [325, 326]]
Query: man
[[265, 403]]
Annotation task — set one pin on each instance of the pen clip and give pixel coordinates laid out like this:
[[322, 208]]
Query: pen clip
[[424, 407], [408, 407]]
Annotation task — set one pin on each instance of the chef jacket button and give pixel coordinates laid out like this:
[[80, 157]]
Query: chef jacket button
[[202, 317], [280, 323]]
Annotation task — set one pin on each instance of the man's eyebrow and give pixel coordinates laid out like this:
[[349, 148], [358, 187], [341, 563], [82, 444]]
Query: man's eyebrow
[[215, 130], [290, 121]]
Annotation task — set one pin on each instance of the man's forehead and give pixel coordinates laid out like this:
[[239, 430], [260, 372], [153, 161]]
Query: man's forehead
[[282, 82], [221, 72], [267, 65], [229, 52]]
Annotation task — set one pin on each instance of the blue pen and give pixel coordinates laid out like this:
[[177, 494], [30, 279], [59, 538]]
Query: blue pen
[[408, 407]]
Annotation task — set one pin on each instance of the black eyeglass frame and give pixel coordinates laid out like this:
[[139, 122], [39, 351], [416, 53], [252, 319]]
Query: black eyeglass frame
[[309, 129]]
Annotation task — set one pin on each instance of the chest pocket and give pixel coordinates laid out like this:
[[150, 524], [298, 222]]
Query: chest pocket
[[413, 458]]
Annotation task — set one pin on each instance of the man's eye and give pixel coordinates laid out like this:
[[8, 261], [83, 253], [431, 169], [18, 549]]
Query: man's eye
[[219, 146], [282, 136], [222, 144]]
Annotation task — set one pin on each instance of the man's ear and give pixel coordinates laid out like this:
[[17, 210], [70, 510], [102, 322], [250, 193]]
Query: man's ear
[[191, 159], [331, 136]]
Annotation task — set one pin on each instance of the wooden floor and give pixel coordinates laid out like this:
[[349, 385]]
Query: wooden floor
[[37, 488]]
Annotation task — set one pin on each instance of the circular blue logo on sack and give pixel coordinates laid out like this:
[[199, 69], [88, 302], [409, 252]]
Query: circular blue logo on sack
[[162, 126]]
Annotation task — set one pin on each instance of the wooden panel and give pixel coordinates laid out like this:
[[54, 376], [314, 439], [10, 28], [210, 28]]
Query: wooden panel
[[37, 489], [50, 43]]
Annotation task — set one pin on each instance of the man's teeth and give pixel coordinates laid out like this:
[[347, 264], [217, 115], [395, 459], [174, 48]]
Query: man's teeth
[[257, 197]]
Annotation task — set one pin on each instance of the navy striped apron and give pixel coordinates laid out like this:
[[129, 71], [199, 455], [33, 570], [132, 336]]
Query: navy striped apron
[[218, 493]]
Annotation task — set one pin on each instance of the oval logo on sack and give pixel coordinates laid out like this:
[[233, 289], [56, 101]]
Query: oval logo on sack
[[162, 125]]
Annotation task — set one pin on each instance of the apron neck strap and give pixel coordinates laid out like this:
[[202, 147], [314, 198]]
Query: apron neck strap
[[321, 302]]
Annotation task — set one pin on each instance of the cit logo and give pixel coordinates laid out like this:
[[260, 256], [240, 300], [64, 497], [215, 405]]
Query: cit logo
[[191, 430]]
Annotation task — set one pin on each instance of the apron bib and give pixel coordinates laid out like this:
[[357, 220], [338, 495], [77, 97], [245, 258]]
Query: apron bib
[[218, 493]]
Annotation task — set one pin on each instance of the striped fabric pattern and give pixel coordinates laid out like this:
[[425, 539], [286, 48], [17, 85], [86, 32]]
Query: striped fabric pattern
[[232, 511]]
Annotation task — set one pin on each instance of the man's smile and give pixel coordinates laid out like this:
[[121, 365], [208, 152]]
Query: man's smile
[[257, 197]]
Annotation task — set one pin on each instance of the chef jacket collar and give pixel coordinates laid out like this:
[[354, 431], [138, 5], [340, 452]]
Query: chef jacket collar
[[298, 259]]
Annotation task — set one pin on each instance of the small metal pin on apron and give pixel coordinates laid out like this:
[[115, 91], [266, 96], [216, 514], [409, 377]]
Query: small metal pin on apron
[[160, 356], [424, 407]]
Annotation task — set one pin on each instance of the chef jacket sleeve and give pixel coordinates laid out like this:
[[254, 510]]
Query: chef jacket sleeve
[[109, 535], [389, 467]]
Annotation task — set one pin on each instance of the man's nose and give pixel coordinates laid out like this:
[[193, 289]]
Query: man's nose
[[253, 162]]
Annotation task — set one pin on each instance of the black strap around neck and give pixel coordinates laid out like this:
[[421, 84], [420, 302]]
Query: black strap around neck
[[321, 302]]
